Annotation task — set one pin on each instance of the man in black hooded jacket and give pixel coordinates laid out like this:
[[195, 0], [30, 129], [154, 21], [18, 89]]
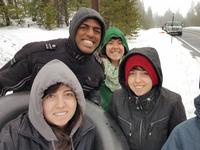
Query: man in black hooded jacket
[[78, 52]]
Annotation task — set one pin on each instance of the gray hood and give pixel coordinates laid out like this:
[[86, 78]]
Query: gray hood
[[53, 72], [81, 15]]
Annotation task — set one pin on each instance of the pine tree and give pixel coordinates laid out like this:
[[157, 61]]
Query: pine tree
[[120, 13], [49, 19]]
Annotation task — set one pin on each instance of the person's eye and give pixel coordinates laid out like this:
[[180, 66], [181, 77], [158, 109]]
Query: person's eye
[[83, 27], [69, 94], [97, 30], [132, 73], [145, 73], [50, 97]]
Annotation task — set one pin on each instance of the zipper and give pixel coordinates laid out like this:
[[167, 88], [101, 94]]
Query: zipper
[[141, 123], [152, 124], [129, 123], [158, 121]]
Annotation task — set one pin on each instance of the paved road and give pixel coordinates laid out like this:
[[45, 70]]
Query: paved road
[[191, 40]]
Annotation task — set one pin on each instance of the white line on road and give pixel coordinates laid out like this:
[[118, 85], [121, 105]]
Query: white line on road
[[188, 44]]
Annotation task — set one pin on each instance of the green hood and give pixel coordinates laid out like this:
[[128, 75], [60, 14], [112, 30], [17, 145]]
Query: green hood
[[110, 33]]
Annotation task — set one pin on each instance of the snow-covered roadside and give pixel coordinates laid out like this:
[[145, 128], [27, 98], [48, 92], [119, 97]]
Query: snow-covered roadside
[[180, 70]]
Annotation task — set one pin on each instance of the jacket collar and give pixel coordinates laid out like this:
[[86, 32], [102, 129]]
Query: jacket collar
[[27, 130], [75, 52], [145, 102]]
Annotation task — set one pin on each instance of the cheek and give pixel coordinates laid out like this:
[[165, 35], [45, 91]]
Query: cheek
[[72, 105], [47, 109]]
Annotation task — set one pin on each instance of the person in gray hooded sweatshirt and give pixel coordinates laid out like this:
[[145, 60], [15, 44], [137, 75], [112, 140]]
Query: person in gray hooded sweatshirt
[[55, 118], [78, 52]]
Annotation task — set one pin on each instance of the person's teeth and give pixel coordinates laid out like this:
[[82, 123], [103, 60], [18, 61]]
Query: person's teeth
[[88, 43], [60, 114]]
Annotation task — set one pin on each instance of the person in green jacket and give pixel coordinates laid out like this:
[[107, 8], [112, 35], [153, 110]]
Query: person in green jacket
[[113, 48]]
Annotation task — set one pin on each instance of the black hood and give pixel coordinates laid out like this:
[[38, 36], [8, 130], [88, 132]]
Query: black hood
[[81, 15], [197, 104], [149, 53]]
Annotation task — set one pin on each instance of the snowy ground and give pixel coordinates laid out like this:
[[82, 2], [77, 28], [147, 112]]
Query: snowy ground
[[180, 70]]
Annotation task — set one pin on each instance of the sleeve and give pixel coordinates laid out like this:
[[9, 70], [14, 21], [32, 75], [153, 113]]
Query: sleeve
[[14, 74], [95, 97], [178, 114], [8, 135], [172, 142]]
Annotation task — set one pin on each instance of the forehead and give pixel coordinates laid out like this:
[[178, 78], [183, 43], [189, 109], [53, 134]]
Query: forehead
[[115, 39], [138, 68], [64, 87], [91, 22]]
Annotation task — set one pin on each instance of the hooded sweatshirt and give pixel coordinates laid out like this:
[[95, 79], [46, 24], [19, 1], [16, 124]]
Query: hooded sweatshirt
[[53, 72], [31, 131]]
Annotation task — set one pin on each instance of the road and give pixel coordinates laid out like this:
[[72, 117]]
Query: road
[[191, 40]]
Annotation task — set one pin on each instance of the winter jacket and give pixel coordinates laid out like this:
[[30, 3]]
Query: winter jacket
[[19, 73], [30, 131], [111, 82], [146, 121], [186, 135]]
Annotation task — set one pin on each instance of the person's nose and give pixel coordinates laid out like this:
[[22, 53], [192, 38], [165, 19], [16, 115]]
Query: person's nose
[[60, 102], [137, 77], [90, 31]]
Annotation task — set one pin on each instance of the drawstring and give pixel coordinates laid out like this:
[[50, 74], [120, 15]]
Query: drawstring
[[53, 145], [72, 143]]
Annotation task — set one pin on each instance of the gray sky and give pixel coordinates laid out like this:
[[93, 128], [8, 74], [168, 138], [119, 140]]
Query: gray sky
[[161, 6]]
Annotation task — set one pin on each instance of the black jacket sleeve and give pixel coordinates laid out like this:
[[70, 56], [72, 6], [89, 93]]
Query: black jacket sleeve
[[14, 75]]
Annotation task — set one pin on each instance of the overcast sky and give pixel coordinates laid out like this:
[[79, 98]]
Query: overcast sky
[[161, 6]]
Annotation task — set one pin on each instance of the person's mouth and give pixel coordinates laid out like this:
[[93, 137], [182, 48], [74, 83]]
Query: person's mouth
[[60, 113], [88, 43]]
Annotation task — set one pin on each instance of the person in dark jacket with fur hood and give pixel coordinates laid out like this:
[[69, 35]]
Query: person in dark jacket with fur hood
[[78, 52], [145, 111], [55, 119], [186, 135]]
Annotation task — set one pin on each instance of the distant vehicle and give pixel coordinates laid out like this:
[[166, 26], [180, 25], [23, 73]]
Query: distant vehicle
[[173, 27]]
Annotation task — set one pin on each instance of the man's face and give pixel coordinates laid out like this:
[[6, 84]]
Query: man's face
[[88, 35]]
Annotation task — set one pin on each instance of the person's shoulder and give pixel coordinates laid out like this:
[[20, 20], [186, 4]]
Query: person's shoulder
[[187, 127], [16, 123], [87, 123], [37, 47], [119, 92], [170, 94], [41, 45], [98, 58]]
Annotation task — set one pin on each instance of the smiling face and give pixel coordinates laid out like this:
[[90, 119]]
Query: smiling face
[[115, 50], [59, 106], [88, 35], [139, 81]]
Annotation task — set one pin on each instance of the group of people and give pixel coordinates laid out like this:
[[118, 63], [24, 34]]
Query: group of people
[[94, 64]]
